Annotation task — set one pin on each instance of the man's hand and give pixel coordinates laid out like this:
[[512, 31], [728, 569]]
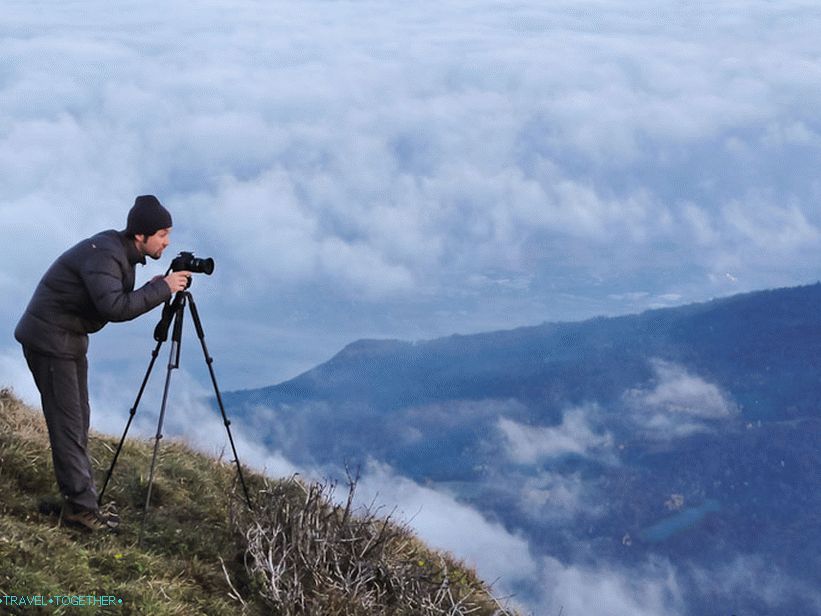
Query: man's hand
[[177, 281]]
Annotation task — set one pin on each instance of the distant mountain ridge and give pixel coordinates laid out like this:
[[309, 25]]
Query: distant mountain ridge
[[743, 342], [685, 435]]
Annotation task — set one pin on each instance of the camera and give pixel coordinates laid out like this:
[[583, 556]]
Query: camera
[[187, 262]]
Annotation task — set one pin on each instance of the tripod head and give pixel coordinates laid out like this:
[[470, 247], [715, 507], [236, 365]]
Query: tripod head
[[168, 311], [183, 262]]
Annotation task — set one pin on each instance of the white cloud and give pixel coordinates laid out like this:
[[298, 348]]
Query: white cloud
[[552, 496], [532, 444], [603, 591], [14, 373], [544, 584], [446, 524], [678, 391], [189, 416], [679, 403], [380, 153], [773, 229]]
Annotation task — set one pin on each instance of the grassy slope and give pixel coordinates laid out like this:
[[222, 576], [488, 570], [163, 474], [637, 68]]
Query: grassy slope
[[195, 537]]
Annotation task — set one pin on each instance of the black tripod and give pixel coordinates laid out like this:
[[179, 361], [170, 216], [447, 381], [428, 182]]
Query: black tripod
[[174, 310]]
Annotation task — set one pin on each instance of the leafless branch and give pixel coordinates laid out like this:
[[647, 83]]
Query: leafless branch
[[312, 556]]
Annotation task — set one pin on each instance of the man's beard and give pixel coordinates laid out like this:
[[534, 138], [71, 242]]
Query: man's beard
[[154, 255]]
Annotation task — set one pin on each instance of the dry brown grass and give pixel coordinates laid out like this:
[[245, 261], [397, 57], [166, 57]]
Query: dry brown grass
[[311, 556], [20, 419]]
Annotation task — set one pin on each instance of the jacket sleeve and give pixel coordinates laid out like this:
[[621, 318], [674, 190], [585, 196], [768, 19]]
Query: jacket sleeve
[[103, 278]]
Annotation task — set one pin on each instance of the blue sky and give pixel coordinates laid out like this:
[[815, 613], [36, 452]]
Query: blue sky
[[410, 170]]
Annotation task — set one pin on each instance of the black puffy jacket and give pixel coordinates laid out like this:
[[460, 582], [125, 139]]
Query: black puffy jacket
[[89, 285]]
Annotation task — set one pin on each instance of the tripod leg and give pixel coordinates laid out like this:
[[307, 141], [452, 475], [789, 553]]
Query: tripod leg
[[173, 362], [132, 412], [210, 361]]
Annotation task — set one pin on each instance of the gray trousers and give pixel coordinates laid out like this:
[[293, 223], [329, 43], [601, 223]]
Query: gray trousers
[[63, 385]]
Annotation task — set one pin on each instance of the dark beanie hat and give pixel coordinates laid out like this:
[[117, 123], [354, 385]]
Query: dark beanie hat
[[147, 216]]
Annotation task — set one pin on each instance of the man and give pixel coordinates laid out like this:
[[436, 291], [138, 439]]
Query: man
[[89, 285]]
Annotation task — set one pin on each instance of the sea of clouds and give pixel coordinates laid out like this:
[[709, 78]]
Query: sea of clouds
[[411, 170], [367, 169]]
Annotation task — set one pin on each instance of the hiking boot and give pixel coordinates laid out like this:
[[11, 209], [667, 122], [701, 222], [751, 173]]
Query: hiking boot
[[110, 511], [90, 519]]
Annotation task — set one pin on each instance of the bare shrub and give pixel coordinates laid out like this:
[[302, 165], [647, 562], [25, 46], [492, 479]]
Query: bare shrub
[[311, 556]]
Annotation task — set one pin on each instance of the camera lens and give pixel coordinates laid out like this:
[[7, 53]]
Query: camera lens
[[204, 266], [186, 261]]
